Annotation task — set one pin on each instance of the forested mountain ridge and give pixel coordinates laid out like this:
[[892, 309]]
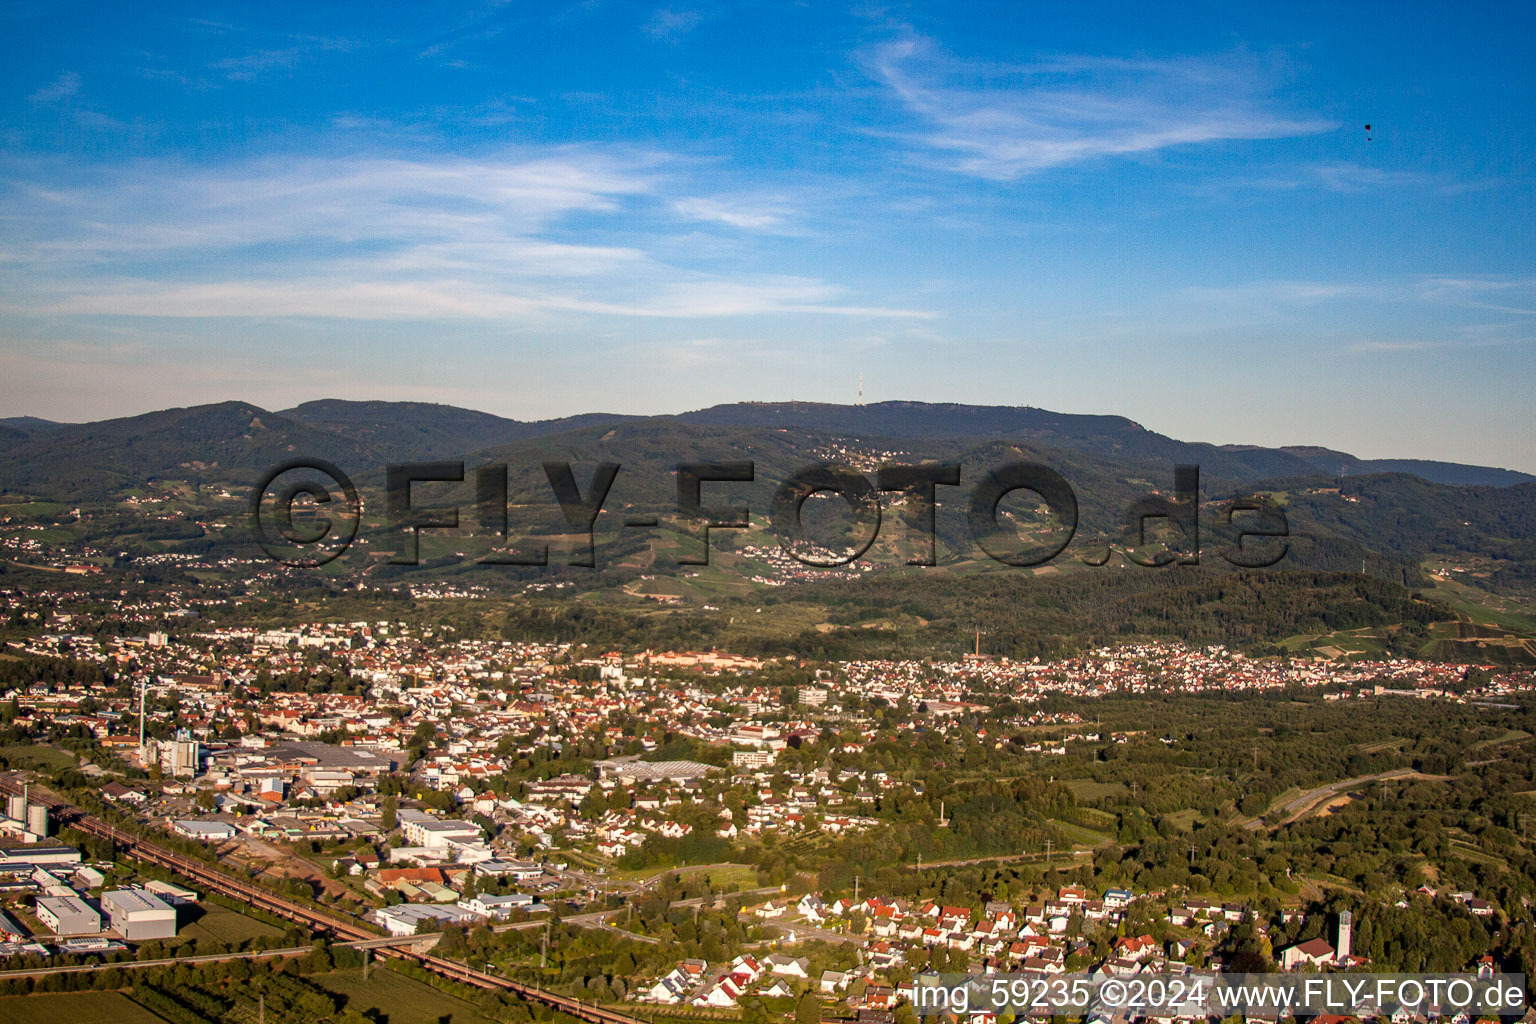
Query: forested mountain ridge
[[84, 459], [1109, 436], [1332, 463], [1390, 522], [399, 431]]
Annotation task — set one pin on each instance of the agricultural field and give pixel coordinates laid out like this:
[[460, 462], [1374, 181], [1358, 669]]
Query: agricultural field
[[1088, 790], [213, 924], [404, 1000], [76, 1008], [1081, 835], [37, 756]]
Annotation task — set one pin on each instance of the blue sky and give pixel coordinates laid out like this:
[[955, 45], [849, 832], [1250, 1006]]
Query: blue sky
[[541, 209]]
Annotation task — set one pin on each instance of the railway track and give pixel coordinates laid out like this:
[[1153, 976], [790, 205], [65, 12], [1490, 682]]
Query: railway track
[[315, 919]]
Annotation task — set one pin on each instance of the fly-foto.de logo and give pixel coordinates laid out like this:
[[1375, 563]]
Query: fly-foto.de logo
[[307, 512]]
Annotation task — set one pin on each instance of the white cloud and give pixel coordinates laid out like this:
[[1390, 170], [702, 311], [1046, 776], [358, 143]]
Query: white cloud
[[249, 66], [1004, 123], [670, 25], [523, 235], [450, 299], [1477, 292], [162, 206], [1389, 347], [1250, 293], [1334, 176], [60, 89], [736, 214]]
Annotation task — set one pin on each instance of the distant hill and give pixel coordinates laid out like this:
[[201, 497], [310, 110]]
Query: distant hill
[[1108, 436], [1332, 463], [918, 420], [396, 431], [229, 440], [1344, 512], [207, 442], [28, 424], [1411, 517], [232, 440]]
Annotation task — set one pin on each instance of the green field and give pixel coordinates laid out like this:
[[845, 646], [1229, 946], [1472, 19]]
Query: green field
[[76, 1008], [1184, 820], [405, 1000], [36, 755], [1356, 643], [1079, 834], [1088, 789], [221, 925], [733, 876]]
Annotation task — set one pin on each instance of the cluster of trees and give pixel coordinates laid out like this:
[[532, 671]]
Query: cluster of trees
[[609, 627], [287, 990], [1025, 616], [27, 669]]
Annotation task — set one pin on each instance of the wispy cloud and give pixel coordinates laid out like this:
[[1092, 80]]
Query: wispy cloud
[[1463, 340], [1437, 292], [671, 25], [1004, 123], [382, 203], [343, 298], [248, 66], [1251, 293], [1389, 347], [1480, 291], [1339, 176], [60, 89], [746, 214], [529, 233]]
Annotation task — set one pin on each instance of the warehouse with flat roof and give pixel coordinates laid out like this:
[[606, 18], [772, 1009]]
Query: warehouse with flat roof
[[68, 915], [138, 914], [627, 770]]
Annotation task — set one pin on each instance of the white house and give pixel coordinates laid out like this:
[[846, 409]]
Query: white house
[[811, 908], [724, 992], [832, 982], [788, 967]]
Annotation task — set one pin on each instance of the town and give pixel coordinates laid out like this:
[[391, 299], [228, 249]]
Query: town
[[498, 795]]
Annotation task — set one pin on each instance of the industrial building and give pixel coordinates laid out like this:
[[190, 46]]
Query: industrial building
[[206, 831], [182, 757], [24, 819], [68, 915], [403, 920], [46, 855], [437, 835], [138, 914], [175, 895]]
